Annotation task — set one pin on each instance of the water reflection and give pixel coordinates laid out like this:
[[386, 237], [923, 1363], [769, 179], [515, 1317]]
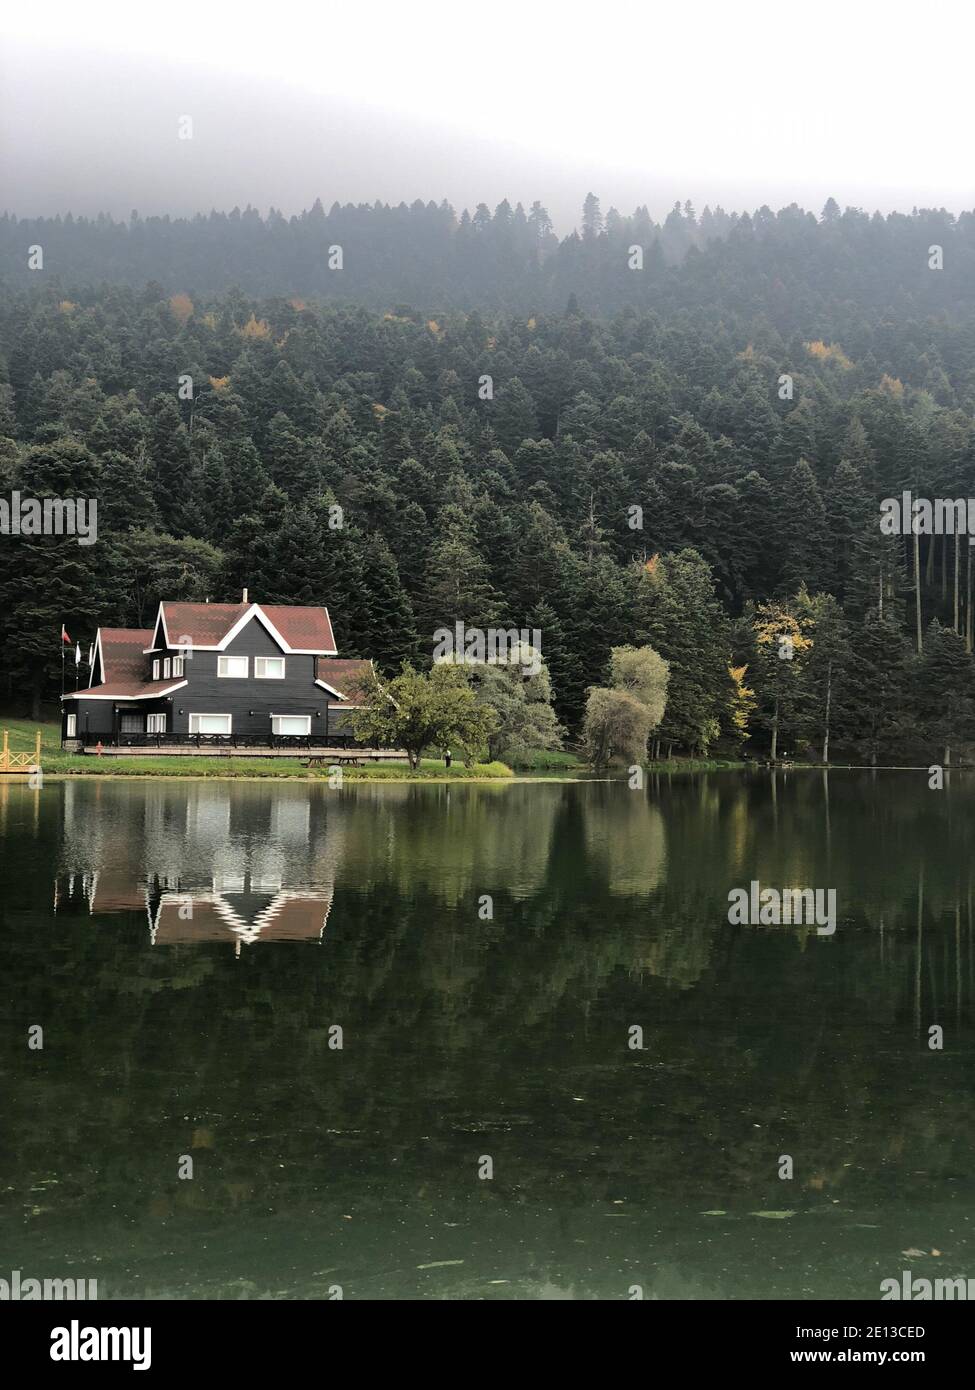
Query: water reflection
[[127, 911]]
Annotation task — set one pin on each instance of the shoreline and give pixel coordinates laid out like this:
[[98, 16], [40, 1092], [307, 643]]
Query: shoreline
[[574, 775]]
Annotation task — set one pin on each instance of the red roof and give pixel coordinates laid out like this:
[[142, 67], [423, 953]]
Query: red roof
[[122, 649], [126, 690], [207, 624], [340, 673]]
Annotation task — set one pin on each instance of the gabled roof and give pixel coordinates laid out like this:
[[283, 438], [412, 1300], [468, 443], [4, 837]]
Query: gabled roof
[[212, 626], [339, 674], [120, 650]]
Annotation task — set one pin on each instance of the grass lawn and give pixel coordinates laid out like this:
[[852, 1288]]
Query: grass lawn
[[55, 762]]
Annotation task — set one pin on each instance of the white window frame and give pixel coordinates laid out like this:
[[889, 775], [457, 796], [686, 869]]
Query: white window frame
[[231, 675], [155, 669], [177, 666], [260, 664], [195, 723], [153, 724], [71, 727], [167, 668], [301, 733]]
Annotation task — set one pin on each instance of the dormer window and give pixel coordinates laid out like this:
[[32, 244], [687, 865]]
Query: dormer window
[[167, 668], [177, 665], [155, 669]]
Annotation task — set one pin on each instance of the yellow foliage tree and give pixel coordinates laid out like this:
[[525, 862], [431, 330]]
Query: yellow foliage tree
[[742, 701], [255, 328], [782, 641], [829, 352]]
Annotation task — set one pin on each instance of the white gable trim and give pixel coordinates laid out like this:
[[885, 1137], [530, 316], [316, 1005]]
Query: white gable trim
[[330, 688], [101, 660], [160, 618], [254, 611]]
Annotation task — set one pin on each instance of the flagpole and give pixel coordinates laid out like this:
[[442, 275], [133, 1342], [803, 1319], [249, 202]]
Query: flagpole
[[61, 645]]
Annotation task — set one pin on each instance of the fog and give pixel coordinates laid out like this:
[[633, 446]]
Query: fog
[[292, 102]]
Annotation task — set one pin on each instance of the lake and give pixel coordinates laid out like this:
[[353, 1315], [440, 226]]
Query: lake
[[389, 1030]]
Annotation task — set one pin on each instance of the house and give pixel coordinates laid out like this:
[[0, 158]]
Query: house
[[216, 676]]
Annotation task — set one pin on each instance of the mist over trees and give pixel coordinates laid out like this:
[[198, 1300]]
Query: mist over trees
[[790, 265]]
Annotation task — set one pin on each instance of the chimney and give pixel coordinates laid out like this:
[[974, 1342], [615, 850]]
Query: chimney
[[244, 599]]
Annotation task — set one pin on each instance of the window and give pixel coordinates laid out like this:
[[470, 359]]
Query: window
[[210, 723], [290, 723], [232, 666], [155, 670], [71, 730], [177, 665], [269, 668], [156, 723], [167, 667]]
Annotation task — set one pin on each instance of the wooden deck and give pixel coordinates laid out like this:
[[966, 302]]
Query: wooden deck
[[326, 757]]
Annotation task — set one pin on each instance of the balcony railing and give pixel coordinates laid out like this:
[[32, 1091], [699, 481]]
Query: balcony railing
[[176, 740]]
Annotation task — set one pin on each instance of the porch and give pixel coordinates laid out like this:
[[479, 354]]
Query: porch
[[226, 745]]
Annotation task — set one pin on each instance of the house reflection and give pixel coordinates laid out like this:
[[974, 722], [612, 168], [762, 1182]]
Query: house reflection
[[241, 909], [204, 863]]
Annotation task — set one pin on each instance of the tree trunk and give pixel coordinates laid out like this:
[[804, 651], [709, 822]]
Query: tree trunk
[[917, 585], [775, 730], [829, 693]]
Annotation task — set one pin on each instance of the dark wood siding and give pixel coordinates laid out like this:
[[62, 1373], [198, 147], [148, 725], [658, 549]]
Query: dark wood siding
[[208, 693]]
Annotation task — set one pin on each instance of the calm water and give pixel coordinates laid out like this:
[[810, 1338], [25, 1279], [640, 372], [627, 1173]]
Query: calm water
[[188, 948]]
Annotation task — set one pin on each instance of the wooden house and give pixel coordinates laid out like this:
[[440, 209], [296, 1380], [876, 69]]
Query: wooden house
[[217, 677]]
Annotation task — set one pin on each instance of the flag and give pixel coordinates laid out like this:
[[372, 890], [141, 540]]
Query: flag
[[64, 635], [77, 653], [91, 654]]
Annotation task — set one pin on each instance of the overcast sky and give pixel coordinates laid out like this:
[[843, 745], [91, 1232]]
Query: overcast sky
[[733, 103]]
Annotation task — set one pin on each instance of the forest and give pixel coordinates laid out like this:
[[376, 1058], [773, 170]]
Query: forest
[[474, 421]]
